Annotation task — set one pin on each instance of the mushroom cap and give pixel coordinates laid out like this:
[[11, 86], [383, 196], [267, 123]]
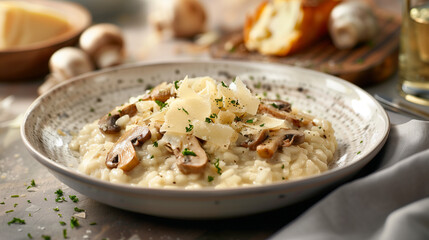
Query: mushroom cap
[[68, 62], [104, 43], [190, 163], [189, 18]]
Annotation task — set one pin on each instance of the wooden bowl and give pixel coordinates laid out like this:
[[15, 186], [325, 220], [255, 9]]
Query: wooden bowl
[[30, 62]]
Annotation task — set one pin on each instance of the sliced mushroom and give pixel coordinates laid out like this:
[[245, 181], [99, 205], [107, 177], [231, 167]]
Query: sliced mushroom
[[107, 124], [123, 155], [282, 110], [256, 139], [278, 138], [293, 137], [162, 92], [190, 157]]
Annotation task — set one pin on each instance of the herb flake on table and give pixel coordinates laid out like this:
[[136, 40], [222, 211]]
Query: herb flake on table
[[28, 201], [32, 184], [2, 203], [14, 205], [56, 209], [65, 233], [93, 223], [46, 237], [62, 223], [14, 196], [74, 222], [76, 209], [16, 221], [74, 198], [29, 236], [9, 211]]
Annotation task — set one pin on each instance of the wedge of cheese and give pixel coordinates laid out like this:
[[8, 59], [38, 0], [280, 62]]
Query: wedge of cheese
[[281, 27], [24, 23]]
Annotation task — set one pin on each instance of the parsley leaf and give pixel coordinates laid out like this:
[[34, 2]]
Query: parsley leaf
[[249, 121], [62, 223], [74, 198], [210, 178], [213, 115], [74, 222], [176, 84], [188, 129], [79, 209], [223, 84], [16, 221], [188, 152], [155, 144], [209, 120], [65, 233], [161, 104], [218, 169]]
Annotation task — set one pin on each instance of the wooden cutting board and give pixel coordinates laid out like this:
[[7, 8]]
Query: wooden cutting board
[[363, 65]]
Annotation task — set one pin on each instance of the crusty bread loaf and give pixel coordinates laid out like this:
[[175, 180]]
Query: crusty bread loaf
[[282, 27]]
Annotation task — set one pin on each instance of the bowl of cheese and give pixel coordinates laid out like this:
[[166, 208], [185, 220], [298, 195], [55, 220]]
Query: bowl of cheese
[[30, 32]]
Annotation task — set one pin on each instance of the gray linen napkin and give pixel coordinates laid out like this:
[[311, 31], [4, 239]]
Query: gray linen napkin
[[390, 203]]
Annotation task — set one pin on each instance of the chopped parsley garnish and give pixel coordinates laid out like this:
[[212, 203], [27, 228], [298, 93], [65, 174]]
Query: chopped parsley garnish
[[210, 178], [2, 203], [119, 110], [62, 223], [183, 109], [188, 129], [213, 115], [29, 215], [74, 222], [74, 198], [218, 169], [161, 104], [28, 201], [109, 114], [155, 144], [278, 96], [283, 166], [258, 85], [237, 119], [223, 84], [65, 233], [16, 204], [188, 152], [9, 211], [176, 84], [234, 102], [32, 184], [60, 215], [46, 237], [265, 94], [56, 209], [29, 236], [217, 100], [361, 141], [91, 110], [14, 196], [209, 120], [16, 221], [263, 124], [249, 121], [79, 209], [46, 199], [275, 105], [93, 223], [358, 152], [151, 156], [60, 196]]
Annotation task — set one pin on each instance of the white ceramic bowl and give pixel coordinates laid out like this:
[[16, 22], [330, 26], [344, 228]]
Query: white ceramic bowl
[[361, 127]]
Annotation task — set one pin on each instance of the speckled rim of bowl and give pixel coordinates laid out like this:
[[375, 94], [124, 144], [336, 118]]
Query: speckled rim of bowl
[[75, 31], [329, 176]]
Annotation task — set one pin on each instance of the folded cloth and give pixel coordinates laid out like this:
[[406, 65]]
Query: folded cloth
[[390, 203]]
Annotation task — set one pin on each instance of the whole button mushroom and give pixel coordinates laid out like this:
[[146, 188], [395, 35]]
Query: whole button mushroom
[[189, 18], [64, 64], [105, 45]]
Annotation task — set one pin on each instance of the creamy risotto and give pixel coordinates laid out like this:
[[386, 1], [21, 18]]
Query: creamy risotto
[[197, 133]]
